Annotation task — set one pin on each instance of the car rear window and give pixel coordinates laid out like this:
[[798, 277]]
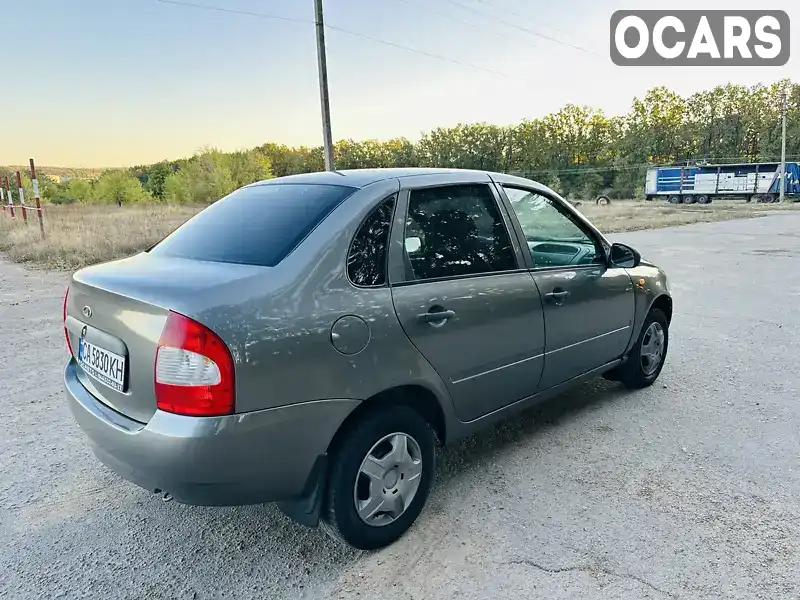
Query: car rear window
[[258, 225]]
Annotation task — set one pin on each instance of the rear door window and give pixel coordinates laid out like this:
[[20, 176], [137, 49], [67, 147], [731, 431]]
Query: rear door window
[[456, 230], [258, 225]]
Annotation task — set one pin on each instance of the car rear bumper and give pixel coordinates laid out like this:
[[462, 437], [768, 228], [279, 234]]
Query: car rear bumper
[[249, 458]]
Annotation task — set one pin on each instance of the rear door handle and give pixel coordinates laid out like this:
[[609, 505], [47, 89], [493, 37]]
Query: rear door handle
[[558, 296], [436, 316]]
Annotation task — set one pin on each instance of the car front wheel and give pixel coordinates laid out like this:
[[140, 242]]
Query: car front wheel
[[381, 474], [646, 360]]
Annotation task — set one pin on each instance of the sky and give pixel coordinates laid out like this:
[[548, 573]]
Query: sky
[[104, 83]]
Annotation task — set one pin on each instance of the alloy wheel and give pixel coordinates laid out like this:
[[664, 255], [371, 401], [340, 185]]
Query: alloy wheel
[[652, 352]]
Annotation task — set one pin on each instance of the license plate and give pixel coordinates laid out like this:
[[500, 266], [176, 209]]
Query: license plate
[[105, 366]]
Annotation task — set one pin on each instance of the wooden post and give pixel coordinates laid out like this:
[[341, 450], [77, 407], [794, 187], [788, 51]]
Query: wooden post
[[36, 196]]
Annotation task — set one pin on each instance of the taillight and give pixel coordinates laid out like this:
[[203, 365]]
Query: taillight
[[193, 371], [66, 331]]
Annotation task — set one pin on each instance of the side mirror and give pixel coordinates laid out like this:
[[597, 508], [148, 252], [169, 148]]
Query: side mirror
[[624, 256]]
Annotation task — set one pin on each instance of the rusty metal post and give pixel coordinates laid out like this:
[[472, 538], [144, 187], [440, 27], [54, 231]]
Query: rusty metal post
[[36, 196], [22, 198], [10, 197]]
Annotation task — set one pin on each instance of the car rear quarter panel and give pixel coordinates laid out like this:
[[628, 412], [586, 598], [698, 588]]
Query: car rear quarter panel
[[278, 325]]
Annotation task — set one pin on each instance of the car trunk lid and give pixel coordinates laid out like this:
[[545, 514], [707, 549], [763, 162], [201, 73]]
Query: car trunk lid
[[116, 313]]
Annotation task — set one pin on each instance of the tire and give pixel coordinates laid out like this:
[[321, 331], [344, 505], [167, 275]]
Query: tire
[[340, 515], [768, 198], [632, 373], [703, 199], [674, 199], [603, 201], [689, 199]]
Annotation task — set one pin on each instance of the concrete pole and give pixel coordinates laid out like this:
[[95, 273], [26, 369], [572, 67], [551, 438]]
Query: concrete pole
[[322, 65], [784, 110]]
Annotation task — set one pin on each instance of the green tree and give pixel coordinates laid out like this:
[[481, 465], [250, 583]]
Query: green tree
[[119, 187], [248, 167], [578, 150], [79, 190], [155, 178], [203, 179]]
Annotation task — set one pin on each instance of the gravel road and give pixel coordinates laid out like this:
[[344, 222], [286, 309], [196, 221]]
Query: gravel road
[[690, 489]]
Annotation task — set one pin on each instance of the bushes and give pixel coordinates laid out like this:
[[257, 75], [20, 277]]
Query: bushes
[[207, 177]]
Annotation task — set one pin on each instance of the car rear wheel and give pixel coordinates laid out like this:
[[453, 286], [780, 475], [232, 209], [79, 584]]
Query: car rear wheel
[[381, 474], [674, 199], [644, 364]]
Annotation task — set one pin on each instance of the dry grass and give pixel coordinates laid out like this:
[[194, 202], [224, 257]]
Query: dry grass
[[628, 215], [81, 235], [76, 236]]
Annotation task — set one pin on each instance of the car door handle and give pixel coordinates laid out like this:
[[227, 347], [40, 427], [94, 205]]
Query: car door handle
[[558, 296], [436, 316]]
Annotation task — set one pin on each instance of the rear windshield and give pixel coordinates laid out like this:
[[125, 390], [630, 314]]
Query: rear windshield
[[256, 225]]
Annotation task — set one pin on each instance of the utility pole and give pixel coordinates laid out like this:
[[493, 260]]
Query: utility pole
[[784, 110], [322, 65]]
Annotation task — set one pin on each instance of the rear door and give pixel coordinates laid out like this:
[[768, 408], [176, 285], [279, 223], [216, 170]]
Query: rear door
[[462, 293], [588, 306]]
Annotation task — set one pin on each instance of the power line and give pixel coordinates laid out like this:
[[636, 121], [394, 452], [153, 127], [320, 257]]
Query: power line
[[520, 27], [457, 20], [516, 14], [342, 30], [235, 11]]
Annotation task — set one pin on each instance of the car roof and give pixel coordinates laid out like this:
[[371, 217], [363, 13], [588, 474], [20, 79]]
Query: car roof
[[361, 177]]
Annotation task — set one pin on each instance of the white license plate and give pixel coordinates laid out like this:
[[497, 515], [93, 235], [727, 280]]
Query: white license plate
[[105, 366]]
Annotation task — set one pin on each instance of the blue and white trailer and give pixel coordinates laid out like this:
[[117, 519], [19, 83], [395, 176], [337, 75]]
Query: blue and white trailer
[[752, 182]]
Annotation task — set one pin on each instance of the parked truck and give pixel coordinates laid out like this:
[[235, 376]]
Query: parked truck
[[752, 182]]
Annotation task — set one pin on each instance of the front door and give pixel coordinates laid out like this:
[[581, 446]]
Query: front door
[[588, 306], [466, 303]]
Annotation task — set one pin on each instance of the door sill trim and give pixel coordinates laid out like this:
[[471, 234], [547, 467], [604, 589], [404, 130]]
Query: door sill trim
[[500, 368], [591, 339], [520, 405]]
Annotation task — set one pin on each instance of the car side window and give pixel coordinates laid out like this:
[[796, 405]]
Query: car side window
[[455, 230], [366, 261], [554, 239]]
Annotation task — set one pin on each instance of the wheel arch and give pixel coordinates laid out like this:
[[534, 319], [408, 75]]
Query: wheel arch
[[417, 397], [663, 302], [307, 508]]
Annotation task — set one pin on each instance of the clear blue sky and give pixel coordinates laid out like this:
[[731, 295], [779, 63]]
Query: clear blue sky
[[120, 82]]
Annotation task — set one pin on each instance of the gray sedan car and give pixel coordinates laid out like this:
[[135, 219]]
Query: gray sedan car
[[310, 340]]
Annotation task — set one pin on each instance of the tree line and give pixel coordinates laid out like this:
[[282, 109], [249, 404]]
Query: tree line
[[579, 151]]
